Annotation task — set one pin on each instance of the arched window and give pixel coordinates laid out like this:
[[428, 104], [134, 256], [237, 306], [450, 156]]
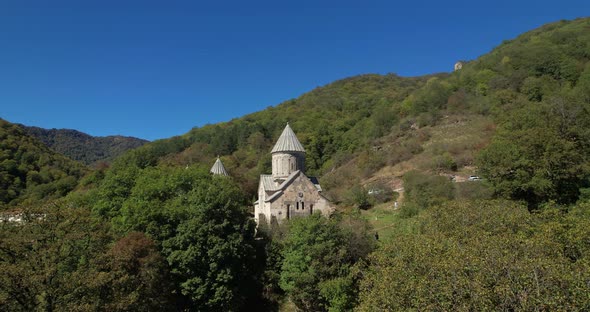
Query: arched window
[[297, 205], [302, 205]]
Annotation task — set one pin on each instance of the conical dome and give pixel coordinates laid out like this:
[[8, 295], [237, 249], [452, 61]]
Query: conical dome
[[218, 168], [288, 142]]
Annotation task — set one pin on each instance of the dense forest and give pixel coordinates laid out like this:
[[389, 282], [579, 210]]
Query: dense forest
[[155, 231], [82, 147], [31, 172]]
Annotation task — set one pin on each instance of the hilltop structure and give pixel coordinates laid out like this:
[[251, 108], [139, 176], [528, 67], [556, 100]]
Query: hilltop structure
[[287, 192], [458, 65], [218, 168]]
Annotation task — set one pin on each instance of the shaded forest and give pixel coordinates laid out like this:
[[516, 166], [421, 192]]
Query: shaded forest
[[82, 147]]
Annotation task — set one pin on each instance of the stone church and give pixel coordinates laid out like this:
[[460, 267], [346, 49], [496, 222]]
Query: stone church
[[287, 192]]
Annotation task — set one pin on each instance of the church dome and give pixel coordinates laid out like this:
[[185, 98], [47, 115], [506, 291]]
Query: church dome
[[288, 142], [218, 168]]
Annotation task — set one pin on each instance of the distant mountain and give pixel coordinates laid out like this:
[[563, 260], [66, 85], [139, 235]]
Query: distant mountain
[[83, 147], [30, 171]]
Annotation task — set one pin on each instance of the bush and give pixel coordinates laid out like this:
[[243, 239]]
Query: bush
[[358, 196], [426, 190], [318, 255], [444, 162], [473, 190]]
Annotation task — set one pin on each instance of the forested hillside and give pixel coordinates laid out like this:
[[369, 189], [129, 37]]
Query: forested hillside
[[82, 147], [359, 126], [29, 171], [156, 231]]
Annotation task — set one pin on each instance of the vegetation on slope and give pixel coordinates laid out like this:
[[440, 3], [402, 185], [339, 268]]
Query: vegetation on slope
[[479, 256], [332, 122], [29, 171], [358, 126], [82, 147], [455, 248]]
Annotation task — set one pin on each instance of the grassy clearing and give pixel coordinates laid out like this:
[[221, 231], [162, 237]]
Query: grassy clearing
[[387, 221]]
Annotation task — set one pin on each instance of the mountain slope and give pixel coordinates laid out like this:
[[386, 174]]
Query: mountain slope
[[30, 171], [333, 122], [543, 75], [357, 128], [83, 147]]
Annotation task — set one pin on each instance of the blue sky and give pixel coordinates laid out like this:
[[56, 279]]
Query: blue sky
[[155, 69]]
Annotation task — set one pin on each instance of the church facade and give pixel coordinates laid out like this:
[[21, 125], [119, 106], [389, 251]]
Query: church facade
[[287, 192]]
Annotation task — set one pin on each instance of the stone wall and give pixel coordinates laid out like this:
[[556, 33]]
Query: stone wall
[[283, 164], [300, 198]]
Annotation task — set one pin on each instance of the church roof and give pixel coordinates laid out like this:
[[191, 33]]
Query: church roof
[[268, 182], [288, 142], [316, 182], [275, 189], [218, 168]]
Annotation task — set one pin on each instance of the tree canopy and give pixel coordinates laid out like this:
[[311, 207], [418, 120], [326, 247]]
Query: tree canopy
[[29, 171]]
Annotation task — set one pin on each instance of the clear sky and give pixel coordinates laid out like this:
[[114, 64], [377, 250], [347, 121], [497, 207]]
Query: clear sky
[[155, 69]]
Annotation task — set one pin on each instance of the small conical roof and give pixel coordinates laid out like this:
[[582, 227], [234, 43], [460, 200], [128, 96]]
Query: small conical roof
[[218, 168], [288, 142]]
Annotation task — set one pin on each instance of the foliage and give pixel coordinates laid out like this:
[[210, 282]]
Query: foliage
[[444, 162], [472, 190], [82, 147], [318, 257], [46, 260], [339, 118], [480, 256], [199, 222], [31, 172], [539, 154], [212, 254], [58, 259], [132, 275], [425, 190], [428, 99], [270, 260], [359, 197]]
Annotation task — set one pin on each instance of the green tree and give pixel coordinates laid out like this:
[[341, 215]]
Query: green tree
[[29, 171], [483, 256], [359, 197], [46, 260], [538, 155], [212, 254], [199, 224], [318, 257], [131, 276]]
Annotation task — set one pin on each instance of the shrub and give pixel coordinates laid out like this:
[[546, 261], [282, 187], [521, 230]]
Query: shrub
[[426, 190]]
